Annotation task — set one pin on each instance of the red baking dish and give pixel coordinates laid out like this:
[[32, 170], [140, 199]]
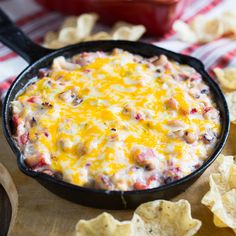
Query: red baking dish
[[157, 15]]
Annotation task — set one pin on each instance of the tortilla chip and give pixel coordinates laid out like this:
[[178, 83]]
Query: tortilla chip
[[204, 30], [98, 36], [231, 101], [226, 77], [159, 218], [229, 19], [221, 198], [69, 21], [103, 225], [124, 31], [85, 25], [67, 36], [184, 32], [78, 29]]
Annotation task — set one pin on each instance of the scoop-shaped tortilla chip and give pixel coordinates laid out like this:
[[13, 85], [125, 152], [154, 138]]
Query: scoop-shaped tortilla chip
[[221, 198], [103, 225], [159, 218]]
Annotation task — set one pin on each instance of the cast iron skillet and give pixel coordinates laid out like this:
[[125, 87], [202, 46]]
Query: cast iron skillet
[[39, 57]]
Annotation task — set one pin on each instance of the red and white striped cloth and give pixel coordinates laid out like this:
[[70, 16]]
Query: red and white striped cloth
[[36, 21]]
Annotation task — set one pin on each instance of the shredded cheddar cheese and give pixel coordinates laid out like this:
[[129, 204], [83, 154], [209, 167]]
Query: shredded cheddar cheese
[[100, 118]]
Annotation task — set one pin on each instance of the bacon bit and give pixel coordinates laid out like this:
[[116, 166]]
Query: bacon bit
[[24, 138], [138, 116], [193, 111], [46, 134], [140, 186]]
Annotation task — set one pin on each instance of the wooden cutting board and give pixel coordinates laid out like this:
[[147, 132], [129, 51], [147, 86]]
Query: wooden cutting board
[[37, 212]]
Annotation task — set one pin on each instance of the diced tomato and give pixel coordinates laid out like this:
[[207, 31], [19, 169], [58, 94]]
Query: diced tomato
[[193, 111], [24, 138], [206, 109], [151, 179], [140, 186], [31, 100], [41, 163]]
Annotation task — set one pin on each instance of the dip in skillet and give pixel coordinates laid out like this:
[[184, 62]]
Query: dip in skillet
[[116, 121]]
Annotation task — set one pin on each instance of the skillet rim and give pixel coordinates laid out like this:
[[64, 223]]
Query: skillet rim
[[191, 61]]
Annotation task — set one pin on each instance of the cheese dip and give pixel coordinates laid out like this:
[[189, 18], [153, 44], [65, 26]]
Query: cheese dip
[[116, 121]]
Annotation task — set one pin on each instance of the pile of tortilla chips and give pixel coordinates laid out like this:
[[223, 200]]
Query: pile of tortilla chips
[[221, 198], [157, 218], [78, 29], [204, 30]]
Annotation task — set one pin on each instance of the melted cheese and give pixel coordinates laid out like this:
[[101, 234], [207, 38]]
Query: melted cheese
[[123, 106]]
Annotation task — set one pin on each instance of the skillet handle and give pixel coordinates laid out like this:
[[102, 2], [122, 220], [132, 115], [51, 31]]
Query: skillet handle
[[15, 39]]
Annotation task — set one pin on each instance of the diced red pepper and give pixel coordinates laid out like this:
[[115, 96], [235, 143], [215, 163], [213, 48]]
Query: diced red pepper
[[193, 111], [140, 186], [15, 121], [206, 109], [24, 138], [41, 163], [31, 100]]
